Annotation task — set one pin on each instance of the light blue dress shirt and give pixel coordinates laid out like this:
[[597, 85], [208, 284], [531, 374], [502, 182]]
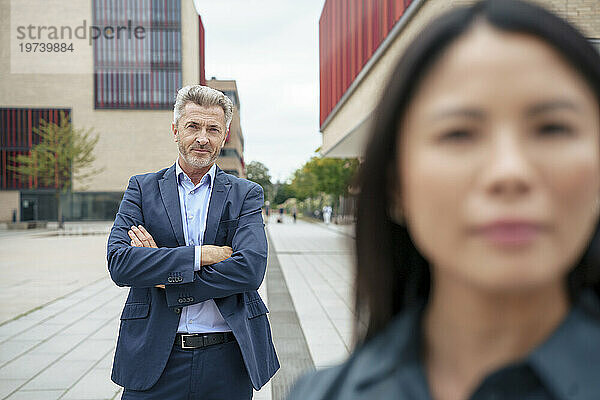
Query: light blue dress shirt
[[203, 317]]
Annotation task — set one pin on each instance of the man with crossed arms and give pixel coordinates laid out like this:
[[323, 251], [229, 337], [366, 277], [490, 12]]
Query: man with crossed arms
[[189, 241]]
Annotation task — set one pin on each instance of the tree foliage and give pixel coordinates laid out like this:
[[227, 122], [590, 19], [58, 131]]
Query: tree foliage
[[63, 154], [259, 173], [283, 191], [324, 175]]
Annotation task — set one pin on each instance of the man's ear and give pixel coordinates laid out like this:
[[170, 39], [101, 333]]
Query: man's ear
[[226, 136], [174, 129]]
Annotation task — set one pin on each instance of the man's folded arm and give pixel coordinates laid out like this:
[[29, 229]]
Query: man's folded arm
[[143, 266], [242, 272]]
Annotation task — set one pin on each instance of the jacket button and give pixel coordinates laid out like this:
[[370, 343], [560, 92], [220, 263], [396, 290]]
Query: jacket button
[[169, 279], [177, 310], [180, 301], [180, 279], [190, 299]]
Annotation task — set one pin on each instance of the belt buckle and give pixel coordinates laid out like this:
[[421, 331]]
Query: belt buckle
[[183, 346]]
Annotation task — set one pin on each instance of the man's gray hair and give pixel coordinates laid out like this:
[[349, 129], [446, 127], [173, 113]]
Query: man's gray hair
[[203, 96]]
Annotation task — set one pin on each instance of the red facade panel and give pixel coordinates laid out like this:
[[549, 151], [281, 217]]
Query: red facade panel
[[350, 31], [201, 44], [17, 137]]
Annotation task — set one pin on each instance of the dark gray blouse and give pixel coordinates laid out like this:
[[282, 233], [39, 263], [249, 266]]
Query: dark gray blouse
[[565, 367]]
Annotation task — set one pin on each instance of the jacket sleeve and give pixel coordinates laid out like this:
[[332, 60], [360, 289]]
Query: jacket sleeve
[[242, 272], [143, 266]]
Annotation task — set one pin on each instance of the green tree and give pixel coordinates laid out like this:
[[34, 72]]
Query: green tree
[[283, 191], [259, 173], [324, 175], [63, 154]]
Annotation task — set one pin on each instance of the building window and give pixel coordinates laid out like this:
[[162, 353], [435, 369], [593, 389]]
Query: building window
[[137, 71], [225, 152], [17, 136], [232, 94]]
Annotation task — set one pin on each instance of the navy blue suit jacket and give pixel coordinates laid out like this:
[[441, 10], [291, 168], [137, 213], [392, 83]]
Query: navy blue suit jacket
[[151, 315]]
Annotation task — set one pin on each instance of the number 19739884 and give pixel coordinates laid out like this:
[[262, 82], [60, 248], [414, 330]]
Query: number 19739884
[[43, 47]]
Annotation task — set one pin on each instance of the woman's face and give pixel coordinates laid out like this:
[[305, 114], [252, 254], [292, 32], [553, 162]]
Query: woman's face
[[499, 163]]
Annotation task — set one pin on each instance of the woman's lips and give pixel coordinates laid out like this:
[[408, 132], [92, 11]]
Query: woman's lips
[[511, 233]]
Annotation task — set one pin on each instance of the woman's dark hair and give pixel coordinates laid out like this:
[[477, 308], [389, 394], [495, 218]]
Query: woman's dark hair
[[391, 273]]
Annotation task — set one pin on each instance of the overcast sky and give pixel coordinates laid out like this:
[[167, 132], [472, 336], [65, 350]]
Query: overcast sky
[[271, 48]]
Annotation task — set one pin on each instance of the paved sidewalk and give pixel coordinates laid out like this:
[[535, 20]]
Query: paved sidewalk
[[60, 316], [59, 310], [317, 263], [39, 266]]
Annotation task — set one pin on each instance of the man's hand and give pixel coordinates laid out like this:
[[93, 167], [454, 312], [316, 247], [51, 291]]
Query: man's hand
[[214, 254], [141, 238]]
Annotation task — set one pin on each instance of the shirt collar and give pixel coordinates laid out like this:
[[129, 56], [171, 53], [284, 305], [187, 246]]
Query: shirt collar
[[567, 363], [569, 360], [212, 172], [396, 347]]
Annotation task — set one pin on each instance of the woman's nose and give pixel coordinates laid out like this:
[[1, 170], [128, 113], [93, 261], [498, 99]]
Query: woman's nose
[[510, 172]]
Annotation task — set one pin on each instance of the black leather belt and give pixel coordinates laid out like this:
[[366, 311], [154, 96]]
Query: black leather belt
[[199, 340]]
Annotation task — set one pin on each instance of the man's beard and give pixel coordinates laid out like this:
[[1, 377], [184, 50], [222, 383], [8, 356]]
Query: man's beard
[[197, 161]]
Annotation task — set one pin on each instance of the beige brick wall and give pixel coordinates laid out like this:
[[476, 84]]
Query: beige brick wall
[[585, 14], [9, 201]]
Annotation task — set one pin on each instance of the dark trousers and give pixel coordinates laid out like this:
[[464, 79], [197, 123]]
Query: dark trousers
[[211, 373]]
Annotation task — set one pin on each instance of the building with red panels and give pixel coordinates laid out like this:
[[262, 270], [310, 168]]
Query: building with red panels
[[360, 42]]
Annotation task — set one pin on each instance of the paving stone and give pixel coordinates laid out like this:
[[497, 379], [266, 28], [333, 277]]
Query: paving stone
[[60, 375], [96, 384], [36, 395], [40, 332], [12, 348], [12, 328], [83, 326], [109, 330], [90, 349], [106, 362], [8, 386], [59, 344], [65, 317], [26, 366]]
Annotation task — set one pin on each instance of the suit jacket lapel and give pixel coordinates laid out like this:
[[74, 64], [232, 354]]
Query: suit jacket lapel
[[170, 198], [215, 207]]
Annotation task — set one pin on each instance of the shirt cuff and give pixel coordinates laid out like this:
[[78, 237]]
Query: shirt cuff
[[197, 257]]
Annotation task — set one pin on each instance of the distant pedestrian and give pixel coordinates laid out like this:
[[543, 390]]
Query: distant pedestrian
[[327, 210], [267, 210], [294, 211], [280, 219]]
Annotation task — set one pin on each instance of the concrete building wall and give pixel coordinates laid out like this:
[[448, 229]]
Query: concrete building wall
[[350, 118], [236, 137]]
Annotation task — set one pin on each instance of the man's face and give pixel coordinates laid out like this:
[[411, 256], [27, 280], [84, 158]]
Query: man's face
[[200, 135]]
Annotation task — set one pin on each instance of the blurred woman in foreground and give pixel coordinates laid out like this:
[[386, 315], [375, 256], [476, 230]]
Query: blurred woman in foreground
[[478, 270]]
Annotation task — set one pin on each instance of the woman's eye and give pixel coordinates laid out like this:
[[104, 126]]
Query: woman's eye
[[457, 135], [555, 129]]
